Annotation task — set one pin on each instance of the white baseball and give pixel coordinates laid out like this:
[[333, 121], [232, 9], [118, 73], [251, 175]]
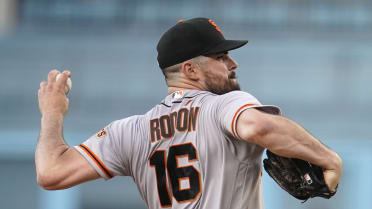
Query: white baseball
[[68, 85]]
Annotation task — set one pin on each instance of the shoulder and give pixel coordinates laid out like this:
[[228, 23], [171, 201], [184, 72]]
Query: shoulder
[[126, 123], [233, 97], [238, 95], [208, 96]]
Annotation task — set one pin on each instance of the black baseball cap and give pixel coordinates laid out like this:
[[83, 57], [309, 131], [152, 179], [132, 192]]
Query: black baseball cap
[[192, 38]]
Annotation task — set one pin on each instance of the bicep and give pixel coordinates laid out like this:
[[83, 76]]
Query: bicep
[[71, 169], [252, 124]]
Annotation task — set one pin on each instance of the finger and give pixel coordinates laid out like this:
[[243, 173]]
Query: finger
[[52, 76], [43, 84], [62, 80], [331, 179], [67, 72], [42, 88]]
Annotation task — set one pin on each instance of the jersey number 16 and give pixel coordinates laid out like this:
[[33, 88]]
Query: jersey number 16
[[176, 174]]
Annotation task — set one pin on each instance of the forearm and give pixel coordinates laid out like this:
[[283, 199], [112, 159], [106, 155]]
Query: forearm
[[51, 144], [58, 166], [287, 138]]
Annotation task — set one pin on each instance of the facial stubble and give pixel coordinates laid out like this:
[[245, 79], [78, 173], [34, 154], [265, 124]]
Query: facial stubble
[[222, 86]]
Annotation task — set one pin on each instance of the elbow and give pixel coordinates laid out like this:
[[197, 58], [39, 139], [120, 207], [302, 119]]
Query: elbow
[[337, 162], [46, 181], [43, 181], [332, 161]]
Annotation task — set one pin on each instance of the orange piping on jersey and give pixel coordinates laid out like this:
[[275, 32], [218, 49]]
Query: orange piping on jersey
[[234, 118], [188, 102], [97, 161]]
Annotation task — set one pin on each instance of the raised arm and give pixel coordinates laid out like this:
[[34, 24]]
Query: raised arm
[[58, 166], [288, 139]]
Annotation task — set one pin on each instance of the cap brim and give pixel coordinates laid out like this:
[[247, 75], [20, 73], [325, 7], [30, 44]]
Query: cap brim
[[225, 46]]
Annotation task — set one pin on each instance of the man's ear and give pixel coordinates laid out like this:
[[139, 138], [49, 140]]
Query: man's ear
[[190, 70]]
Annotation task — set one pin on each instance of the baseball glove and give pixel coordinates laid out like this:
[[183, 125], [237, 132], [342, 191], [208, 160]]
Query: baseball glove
[[299, 178]]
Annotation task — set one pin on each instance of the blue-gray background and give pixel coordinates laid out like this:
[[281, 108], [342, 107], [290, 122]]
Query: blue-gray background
[[311, 58]]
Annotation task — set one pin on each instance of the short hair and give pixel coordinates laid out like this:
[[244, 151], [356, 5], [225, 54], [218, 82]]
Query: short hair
[[168, 71], [171, 71]]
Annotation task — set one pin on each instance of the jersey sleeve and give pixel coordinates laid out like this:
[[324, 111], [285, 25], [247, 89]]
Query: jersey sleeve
[[229, 106], [108, 150]]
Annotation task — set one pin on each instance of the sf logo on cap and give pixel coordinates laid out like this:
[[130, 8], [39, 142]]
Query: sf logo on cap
[[215, 25]]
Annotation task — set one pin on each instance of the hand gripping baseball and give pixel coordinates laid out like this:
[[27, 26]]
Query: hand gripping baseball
[[52, 95]]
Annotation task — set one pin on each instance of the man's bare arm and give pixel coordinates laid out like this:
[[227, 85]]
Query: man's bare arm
[[288, 139], [58, 166]]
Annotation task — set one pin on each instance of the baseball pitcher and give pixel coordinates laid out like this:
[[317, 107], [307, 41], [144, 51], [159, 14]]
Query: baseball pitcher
[[200, 147]]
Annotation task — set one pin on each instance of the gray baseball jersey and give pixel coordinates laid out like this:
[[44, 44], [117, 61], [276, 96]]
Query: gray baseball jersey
[[185, 152]]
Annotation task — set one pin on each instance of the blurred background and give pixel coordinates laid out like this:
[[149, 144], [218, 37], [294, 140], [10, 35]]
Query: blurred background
[[311, 58]]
